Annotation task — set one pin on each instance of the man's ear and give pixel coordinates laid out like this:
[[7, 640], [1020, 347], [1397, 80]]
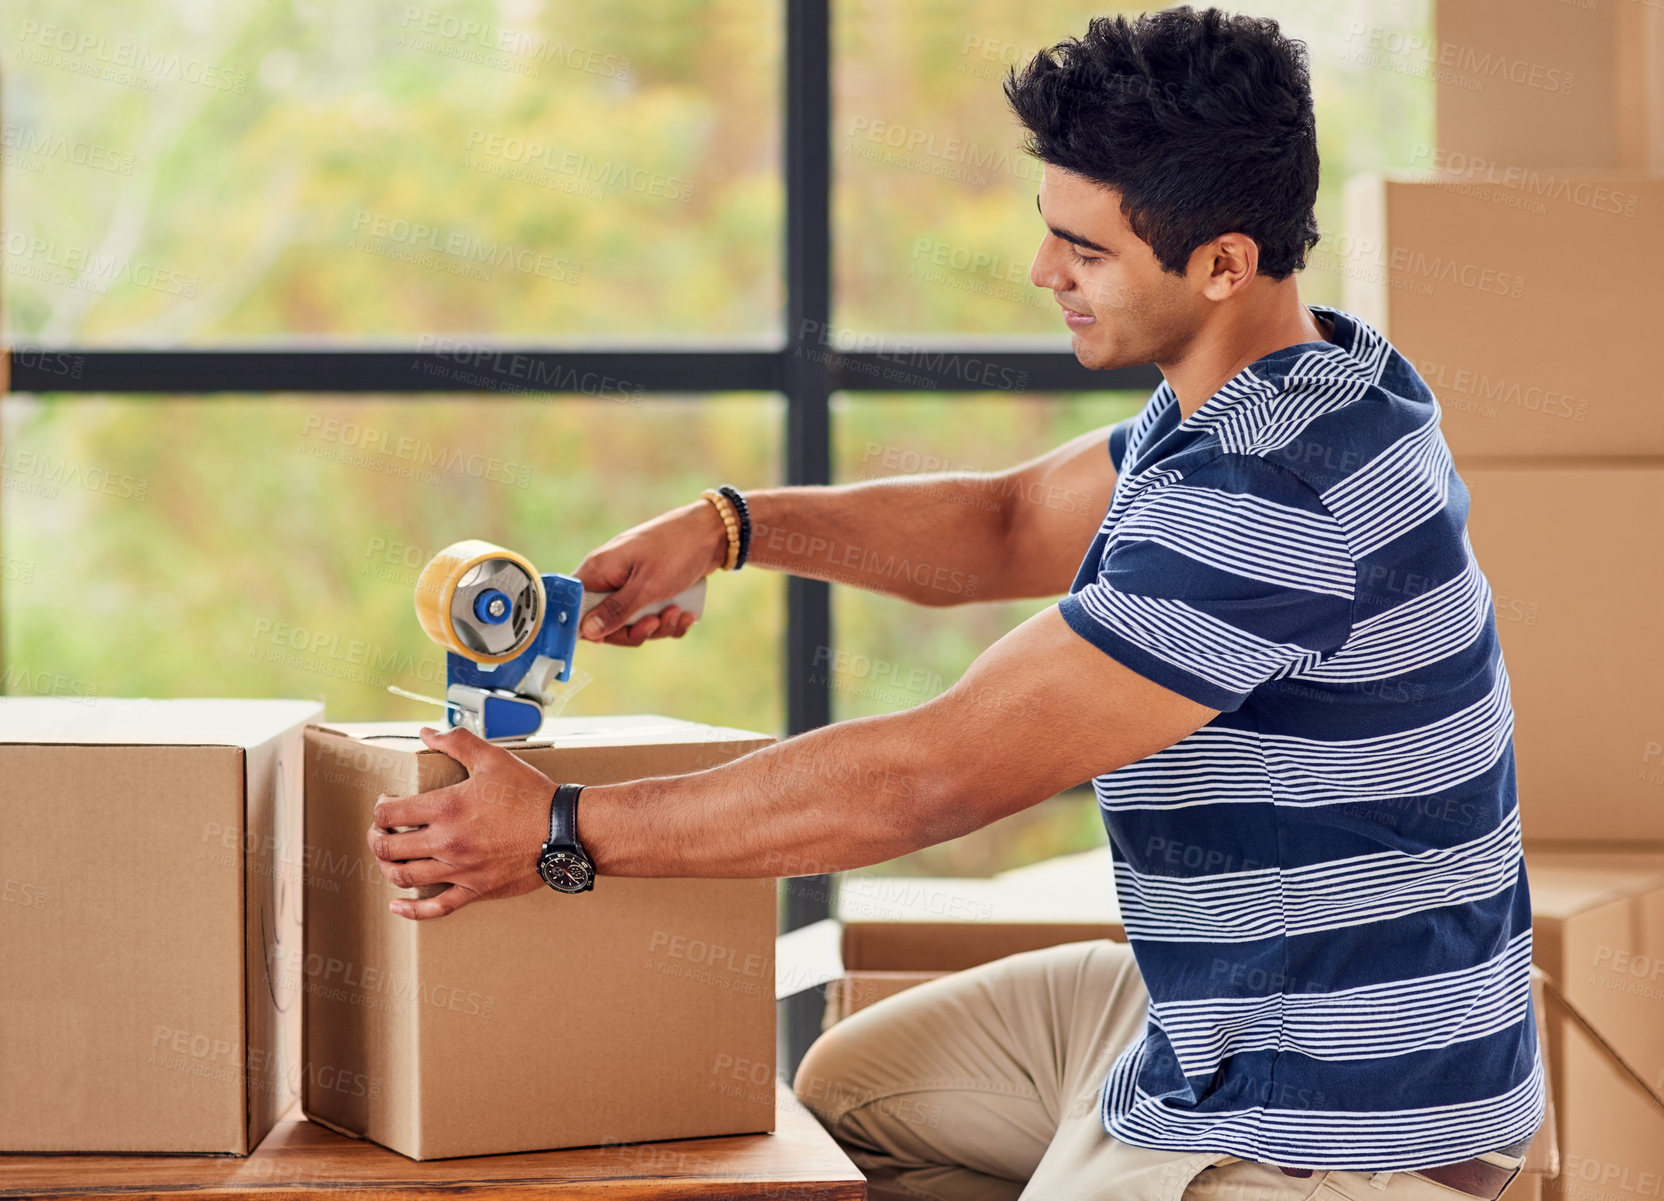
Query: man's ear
[[1226, 264]]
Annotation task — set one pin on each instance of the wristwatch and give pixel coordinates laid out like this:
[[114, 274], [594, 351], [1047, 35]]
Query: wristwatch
[[563, 863]]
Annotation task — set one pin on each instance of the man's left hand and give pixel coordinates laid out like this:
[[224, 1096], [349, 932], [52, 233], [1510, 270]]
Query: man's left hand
[[481, 836]]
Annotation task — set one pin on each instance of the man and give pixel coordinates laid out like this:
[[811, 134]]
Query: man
[[1277, 661]]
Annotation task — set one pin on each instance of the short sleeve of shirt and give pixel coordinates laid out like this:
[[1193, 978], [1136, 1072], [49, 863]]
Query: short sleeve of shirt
[[1215, 583]]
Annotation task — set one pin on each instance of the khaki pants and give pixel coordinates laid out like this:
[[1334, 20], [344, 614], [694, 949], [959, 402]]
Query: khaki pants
[[984, 1086]]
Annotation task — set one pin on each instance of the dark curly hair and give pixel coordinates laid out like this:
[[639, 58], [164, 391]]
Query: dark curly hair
[[1202, 121]]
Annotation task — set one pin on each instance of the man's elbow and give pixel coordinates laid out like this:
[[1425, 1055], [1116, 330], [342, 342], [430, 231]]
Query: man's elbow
[[941, 586], [936, 598], [946, 808]]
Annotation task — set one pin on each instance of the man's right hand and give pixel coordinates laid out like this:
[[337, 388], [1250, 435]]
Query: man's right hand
[[652, 562]]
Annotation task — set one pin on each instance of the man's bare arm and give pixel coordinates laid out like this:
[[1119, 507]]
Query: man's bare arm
[[944, 538], [941, 539], [1064, 496], [1040, 711]]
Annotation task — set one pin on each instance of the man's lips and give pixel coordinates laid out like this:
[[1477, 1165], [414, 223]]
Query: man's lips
[[1074, 319]]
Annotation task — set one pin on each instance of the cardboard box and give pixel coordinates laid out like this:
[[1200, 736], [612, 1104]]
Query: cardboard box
[[1523, 303], [881, 959], [1073, 888], [150, 878], [1545, 83], [854, 991], [1576, 584], [641, 1010], [1598, 931]]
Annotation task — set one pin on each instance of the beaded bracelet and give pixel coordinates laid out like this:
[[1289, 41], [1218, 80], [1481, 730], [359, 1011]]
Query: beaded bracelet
[[744, 510], [725, 509]]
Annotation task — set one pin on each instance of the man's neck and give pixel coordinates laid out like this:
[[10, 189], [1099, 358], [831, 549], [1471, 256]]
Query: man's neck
[[1214, 358]]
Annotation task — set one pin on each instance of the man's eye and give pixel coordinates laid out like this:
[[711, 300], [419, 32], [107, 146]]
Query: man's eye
[[1085, 260]]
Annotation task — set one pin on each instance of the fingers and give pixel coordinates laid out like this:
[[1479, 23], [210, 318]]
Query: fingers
[[635, 635], [393, 848], [605, 622], [423, 809], [465, 746], [673, 622], [392, 811], [417, 872], [670, 622], [603, 569], [449, 901], [605, 618]]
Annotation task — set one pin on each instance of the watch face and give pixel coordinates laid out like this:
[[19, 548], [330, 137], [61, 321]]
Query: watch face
[[566, 871]]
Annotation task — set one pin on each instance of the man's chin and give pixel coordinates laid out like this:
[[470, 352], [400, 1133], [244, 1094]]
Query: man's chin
[[1093, 355]]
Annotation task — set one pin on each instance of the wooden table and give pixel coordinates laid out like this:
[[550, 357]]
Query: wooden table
[[301, 1161]]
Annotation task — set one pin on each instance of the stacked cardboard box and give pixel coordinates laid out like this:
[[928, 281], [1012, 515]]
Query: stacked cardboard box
[[1568, 547], [1544, 83], [1523, 300], [150, 875], [1515, 273], [643, 1009], [1598, 926], [881, 959]]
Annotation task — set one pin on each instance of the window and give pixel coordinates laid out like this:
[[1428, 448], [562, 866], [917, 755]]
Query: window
[[163, 546], [240, 236], [311, 171]]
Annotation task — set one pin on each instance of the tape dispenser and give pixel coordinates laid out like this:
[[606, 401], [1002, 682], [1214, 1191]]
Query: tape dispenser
[[508, 632]]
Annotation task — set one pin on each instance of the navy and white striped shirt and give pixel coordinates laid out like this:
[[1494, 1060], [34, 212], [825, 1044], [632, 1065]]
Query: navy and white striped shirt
[[1324, 885]]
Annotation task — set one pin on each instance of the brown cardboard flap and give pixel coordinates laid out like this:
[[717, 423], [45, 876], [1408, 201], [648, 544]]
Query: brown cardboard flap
[[1618, 1060], [1610, 1123], [1566, 883], [951, 946], [632, 729], [857, 990]]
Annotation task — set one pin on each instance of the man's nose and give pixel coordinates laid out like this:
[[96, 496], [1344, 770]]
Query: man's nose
[[1044, 271]]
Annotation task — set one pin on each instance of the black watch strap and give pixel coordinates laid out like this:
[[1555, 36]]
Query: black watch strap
[[563, 816]]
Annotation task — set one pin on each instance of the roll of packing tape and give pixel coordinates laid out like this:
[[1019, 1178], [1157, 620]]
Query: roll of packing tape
[[488, 640]]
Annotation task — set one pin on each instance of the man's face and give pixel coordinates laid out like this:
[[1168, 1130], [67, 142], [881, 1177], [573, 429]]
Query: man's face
[[1121, 307]]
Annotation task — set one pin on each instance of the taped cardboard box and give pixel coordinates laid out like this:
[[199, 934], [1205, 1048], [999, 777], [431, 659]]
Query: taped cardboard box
[[882, 959], [1543, 84], [1522, 305], [641, 1010], [1598, 931], [150, 872], [1576, 589]]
